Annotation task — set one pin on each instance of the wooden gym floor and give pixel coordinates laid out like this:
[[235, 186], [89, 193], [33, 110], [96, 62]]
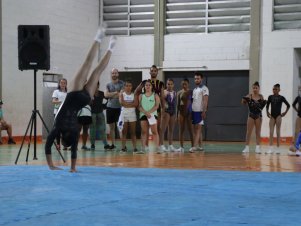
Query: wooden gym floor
[[217, 156]]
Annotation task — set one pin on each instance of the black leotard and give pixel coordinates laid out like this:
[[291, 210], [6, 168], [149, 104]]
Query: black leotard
[[255, 107], [66, 121], [297, 101], [276, 104]]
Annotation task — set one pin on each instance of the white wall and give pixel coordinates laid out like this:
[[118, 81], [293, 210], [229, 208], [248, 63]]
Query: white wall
[[216, 51], [278, 61], [132, 52], [73, 25]]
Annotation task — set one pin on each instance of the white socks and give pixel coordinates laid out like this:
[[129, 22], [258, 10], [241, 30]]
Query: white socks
[[112, 44], [101, 32]]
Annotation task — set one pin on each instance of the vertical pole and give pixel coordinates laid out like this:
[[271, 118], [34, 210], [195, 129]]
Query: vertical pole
[[159, 31], [35, 115], [255, 41], [1, 49]]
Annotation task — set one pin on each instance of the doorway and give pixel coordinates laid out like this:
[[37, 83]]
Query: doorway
[[226, 118]]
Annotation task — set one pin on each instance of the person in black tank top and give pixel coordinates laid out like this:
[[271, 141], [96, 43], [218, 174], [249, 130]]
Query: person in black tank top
[[81, 90], [275, 116]]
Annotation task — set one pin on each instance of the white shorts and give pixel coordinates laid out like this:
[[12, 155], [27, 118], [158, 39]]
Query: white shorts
[[130, 117]]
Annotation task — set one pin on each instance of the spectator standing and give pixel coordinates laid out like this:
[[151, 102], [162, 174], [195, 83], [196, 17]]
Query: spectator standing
[[98, 119], [58, 97], [113, 107]]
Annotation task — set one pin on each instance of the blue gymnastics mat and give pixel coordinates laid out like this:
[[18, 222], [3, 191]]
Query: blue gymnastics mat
[[34, 195]]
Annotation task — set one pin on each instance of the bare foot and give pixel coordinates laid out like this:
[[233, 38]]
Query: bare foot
[[73, 171], [54, 168]]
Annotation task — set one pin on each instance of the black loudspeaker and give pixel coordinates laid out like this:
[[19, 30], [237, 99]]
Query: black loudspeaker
[[33, 47]]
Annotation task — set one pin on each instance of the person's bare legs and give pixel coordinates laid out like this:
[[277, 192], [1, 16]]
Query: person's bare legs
[[124, 133], [85, 134], [272, 127], [144, 133], [272, 123], [171, 126], [112, 132], [258, 130], [250, 126], [278, 129], [50, 163], [154, 129], [164, 123], [78, 82], [8, 127], [181, 121], [190, 128], [73, 165], [196, 129], [201, 139], [94, 78], [258, 123], [133, 134]]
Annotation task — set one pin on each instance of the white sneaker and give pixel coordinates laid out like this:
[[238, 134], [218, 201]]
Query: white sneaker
[[277, 150], [180, 149], [171, 148], [246, 149], [270, 151], [200, 148], [258, 149], [162, 148], [192, 150], [298, 153], [291, 153]]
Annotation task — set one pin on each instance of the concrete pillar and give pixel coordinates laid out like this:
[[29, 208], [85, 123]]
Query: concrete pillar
[[255, 41], [159, 31], [1, 49]]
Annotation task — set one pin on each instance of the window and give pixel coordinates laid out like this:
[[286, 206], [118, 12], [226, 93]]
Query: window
[[128, 17], [204, 16], [287, 14]]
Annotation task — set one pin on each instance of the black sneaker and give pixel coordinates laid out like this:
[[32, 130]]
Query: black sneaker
[[84, 147], [135, 150], [124, 149], [11, 141], [107, 146], [112, 146], [92, 147]]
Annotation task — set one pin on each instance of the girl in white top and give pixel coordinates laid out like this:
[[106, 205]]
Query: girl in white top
[[59, 94], [58, 97], [128, 116]]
